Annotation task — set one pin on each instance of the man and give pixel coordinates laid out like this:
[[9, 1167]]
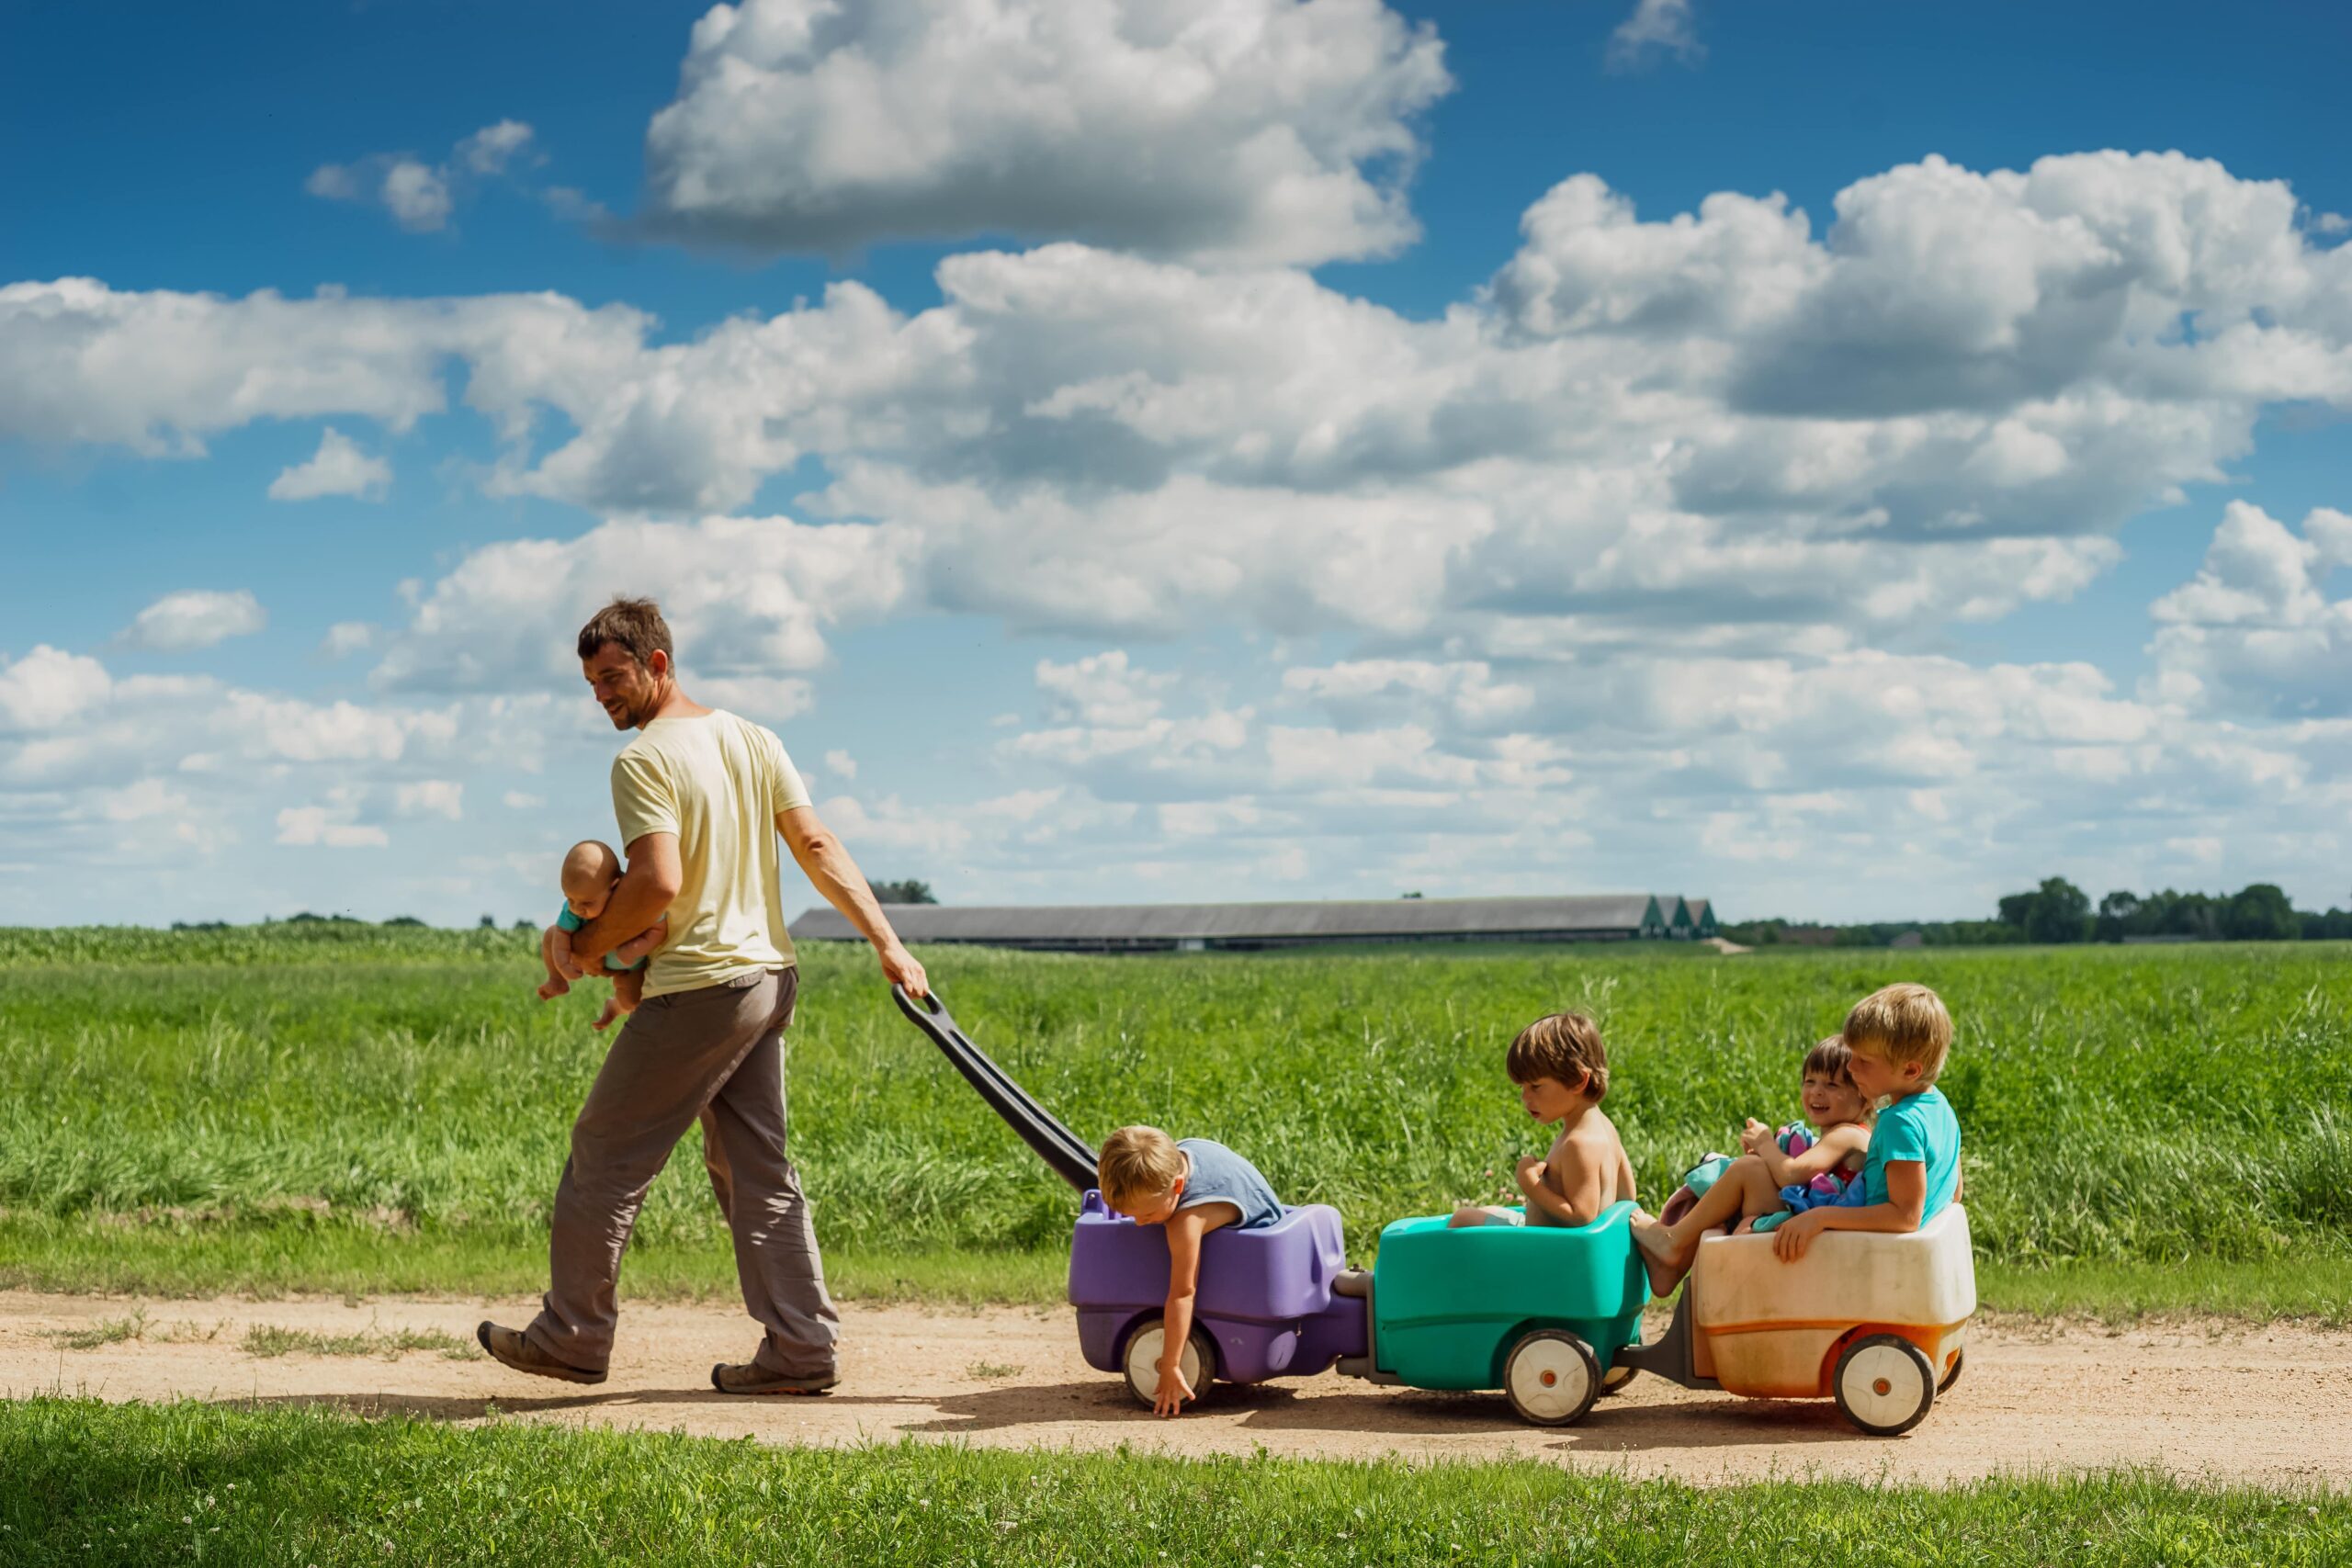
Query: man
[[700, 795]]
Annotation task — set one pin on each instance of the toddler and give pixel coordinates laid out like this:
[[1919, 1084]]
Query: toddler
[[1562, 1071], [589, 872], [1781, 1173], [1192, 1185]]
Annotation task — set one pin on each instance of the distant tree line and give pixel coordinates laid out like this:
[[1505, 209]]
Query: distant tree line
[[2058, 912]]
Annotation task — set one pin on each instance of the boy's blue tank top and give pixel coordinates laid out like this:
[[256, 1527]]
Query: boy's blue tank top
[[1220, 1176]]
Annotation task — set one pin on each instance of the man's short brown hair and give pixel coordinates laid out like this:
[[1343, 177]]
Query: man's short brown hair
[[635, 624], [1904, 1022], [1565, 1047], [1137, 1162]]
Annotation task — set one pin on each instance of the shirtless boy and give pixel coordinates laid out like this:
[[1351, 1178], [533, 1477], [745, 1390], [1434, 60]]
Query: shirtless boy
[[1562, 1071]]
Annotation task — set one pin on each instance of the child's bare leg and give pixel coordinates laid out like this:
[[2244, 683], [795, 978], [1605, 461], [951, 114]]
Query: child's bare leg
[[629, 994], [1485, 1214], [554, 984], [1745, 1189]]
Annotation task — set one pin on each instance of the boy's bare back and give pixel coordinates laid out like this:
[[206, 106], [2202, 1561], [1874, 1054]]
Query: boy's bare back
[[1588, 1168]]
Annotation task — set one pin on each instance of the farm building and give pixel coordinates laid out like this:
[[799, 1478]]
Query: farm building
[[1199, 928]]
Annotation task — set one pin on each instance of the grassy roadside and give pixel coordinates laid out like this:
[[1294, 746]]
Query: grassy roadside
[[365, 1110], [188, 1482], [266, 1259]]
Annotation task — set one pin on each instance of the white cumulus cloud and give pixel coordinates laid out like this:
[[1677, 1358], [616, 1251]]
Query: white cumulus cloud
[[1223, 130], [194, 618], [338, 468], [420, 196]]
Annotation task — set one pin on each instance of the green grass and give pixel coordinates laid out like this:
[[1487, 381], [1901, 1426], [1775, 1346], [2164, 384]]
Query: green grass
[[145, 1484], [267, 1339], [359, 1110]]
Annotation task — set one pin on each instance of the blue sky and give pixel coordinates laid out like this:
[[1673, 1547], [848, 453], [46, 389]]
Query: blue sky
[[1251, 450]]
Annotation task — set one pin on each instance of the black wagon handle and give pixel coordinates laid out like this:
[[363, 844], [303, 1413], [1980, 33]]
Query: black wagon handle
[[1064, 1152]]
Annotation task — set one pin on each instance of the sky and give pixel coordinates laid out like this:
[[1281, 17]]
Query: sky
[[1846, 460]]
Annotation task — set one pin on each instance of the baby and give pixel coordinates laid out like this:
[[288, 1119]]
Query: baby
[[1562, 1072], [1192, 1185], [590, 870], [1782, 1172]]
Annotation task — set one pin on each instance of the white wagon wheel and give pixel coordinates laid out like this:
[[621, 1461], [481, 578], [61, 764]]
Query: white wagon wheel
[[1552, 1378], [1142, 1360], [1618, 1375], [1885, 1384], [1951, 1373]]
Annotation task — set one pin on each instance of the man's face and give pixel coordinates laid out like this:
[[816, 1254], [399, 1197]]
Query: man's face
[[625, 689]]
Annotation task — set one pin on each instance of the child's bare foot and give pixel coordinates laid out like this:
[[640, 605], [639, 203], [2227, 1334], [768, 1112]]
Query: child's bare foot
[[554, 986], [612, 1010], [1661, 1257]]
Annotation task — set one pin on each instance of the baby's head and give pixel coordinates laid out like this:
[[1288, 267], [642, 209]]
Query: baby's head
[[1831, 1100], [1898, 1036], [1560, 1066], [1141, 1174], [589, 872]]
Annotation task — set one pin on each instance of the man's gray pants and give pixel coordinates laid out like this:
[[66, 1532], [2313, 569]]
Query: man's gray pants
[[716, 1052]]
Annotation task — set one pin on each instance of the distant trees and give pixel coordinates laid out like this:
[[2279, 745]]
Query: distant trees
[[2260, 912], [2056, 912], [910, 891], [2059, 913]]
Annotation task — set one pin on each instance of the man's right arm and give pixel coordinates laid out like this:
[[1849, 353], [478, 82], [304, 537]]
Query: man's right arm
[[835, 876], [641, 897]]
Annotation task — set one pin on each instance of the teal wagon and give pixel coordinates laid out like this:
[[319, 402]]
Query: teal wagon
[[1539, 1312]]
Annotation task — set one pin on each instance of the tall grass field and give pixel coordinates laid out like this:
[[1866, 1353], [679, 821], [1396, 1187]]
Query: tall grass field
[[359, 1107]]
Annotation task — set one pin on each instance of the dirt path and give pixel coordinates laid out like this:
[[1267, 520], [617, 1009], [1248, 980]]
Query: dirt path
[[2269, 1405]]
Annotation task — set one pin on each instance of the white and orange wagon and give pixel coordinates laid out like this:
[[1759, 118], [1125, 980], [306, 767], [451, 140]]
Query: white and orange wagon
[[1877, 1323]]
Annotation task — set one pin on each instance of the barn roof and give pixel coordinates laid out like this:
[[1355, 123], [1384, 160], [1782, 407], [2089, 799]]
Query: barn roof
[[1213, 922]]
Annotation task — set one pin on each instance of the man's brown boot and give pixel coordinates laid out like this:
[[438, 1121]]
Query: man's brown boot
[[749, 1377], [509, 1348]]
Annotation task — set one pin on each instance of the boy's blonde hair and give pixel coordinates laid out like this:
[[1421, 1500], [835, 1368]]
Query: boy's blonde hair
[[1137, 1162], [1564, 1047], [1904, 1022]]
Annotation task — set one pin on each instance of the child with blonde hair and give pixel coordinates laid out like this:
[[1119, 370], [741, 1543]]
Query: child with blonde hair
[[1192, 1185]]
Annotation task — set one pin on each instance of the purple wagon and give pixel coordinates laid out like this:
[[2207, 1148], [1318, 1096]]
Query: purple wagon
[[1279, 1301]]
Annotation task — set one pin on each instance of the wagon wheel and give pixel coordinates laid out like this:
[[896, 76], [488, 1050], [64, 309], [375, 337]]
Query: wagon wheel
[[1951, 1373], [1885, 1384], [1614, 1380], [1142, 1361], [1552, 1378]]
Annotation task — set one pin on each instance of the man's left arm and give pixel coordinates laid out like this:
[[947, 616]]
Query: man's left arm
[[641, 897], [829, 870]]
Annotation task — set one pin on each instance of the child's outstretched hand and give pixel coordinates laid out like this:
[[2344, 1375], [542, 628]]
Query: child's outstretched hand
[[1755, 1136], [1173, 1390]]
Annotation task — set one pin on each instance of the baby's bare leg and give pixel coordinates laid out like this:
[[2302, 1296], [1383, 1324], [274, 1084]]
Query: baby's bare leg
[[629, 994], [554, 984], [1485, 1214]]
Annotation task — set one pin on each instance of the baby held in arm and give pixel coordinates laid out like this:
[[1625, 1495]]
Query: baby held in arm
[[590, 870]]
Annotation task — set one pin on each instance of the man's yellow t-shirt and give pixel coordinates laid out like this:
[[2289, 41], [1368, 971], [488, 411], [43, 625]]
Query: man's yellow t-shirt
[[716, 782]]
